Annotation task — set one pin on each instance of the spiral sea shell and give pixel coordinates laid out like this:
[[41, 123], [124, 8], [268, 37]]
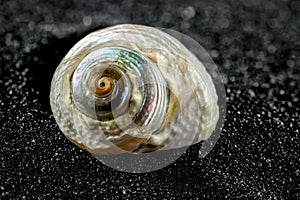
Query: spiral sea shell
[[133, 88]]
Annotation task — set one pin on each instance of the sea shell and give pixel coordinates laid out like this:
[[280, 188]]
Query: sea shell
[[133, 88]]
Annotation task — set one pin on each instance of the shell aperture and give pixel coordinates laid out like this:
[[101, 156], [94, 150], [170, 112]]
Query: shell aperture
[[132, 88]]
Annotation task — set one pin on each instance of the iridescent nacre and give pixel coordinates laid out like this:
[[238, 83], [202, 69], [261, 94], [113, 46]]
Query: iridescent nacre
[[132, 88]]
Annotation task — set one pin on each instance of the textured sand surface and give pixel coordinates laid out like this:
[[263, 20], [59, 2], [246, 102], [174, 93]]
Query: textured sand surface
[[255, 43]]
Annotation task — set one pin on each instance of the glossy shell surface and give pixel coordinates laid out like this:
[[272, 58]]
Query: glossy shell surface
[[133, 88]]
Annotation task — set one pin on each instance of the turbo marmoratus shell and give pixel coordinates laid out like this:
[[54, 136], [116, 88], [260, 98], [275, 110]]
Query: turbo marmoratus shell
[[133, 88]]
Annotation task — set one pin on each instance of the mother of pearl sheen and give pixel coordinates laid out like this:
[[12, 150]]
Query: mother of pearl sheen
[[157, 95]]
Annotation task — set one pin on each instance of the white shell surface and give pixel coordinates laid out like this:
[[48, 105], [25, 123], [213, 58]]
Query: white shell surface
[[192, 111]]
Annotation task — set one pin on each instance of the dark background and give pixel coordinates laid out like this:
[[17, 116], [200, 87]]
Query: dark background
[[255, 43]]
